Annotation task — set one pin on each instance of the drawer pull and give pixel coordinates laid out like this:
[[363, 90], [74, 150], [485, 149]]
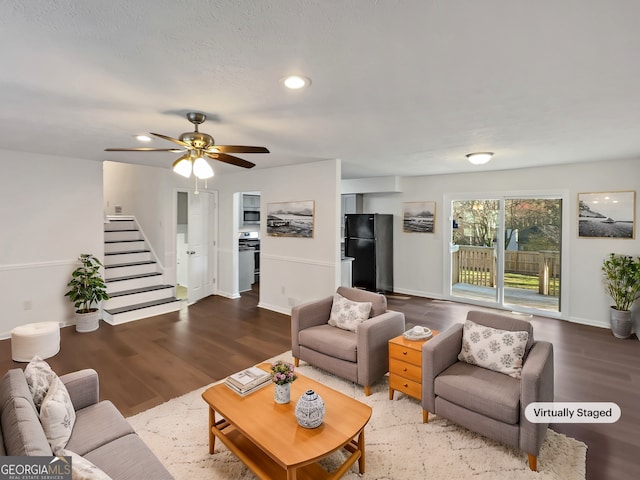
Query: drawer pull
[[406, 385], [405, 352], [405, 369]]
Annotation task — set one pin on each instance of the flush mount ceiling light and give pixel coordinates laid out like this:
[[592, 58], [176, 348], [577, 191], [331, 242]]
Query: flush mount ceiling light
[[479, 158], [296, 82]]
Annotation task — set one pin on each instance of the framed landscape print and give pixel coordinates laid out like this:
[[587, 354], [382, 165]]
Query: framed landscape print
[[291, 219], [607, 215], [418, 217]]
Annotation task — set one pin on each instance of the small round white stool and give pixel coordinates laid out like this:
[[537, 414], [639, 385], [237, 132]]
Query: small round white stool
[[41, 339]]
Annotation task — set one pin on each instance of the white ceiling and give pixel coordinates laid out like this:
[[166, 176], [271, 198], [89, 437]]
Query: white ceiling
[[399, 87]]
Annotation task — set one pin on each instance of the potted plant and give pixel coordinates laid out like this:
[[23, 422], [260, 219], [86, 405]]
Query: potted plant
[[622, 283], [282, 375], [87, 288]]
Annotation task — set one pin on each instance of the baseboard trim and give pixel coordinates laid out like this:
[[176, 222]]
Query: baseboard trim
[[275, 308]]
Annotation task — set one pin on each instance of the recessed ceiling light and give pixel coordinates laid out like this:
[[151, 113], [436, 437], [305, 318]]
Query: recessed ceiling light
[[479, 158], [143, 138], [296, 82]]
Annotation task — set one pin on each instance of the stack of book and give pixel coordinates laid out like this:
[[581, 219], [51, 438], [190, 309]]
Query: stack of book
[[247, 381]]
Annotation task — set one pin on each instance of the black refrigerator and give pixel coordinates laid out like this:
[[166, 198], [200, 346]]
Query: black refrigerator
[[369, 241]]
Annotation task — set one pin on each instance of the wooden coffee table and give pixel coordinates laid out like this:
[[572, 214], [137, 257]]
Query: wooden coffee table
[[266, 436]]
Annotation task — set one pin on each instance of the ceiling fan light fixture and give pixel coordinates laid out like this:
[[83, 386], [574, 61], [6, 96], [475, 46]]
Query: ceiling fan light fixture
[[479, 158], [143, 138], [182, 166], [296, 82], [202, 169]]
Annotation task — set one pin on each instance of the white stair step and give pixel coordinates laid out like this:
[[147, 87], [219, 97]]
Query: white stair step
[[122, 235], [128, 282], [143, 310], [126, 269], [114, 225], [113, 247], [132, 256], [138, 295]]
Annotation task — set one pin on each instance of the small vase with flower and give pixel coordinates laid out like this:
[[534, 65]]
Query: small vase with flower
[[282, 376]]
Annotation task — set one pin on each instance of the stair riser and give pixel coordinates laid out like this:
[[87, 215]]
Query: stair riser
[[135, 298], [142, 313], [118, 236], [122, 285], [126, 258], [123, 246], [129, 270], [119, 225]]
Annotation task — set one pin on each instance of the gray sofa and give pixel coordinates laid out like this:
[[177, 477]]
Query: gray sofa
[[100, 433]]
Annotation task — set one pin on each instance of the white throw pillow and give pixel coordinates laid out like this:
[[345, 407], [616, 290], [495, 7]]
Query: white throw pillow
[[57, 416], [39, 377], [498, 350], [83, 469], [347, 314]]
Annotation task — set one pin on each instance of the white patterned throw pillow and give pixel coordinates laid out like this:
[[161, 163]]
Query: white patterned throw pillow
[[498, 350], [83, 469], [39, 377], [347, 314], [57, 416]]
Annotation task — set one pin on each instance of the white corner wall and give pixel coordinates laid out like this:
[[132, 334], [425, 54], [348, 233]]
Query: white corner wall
[[292, 270], [418, 258], [50, 214]]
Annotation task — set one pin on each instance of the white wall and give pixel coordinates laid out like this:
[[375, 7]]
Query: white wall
[[419, 259], [51, 213], [292, 270]]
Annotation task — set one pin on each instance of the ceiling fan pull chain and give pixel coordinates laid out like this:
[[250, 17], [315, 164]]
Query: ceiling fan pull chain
[[196, 192]]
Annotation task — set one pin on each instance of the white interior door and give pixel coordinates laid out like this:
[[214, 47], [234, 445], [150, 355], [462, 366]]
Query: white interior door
[[201, 245]]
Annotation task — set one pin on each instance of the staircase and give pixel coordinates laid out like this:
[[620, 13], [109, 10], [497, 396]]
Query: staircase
[[135, 286]]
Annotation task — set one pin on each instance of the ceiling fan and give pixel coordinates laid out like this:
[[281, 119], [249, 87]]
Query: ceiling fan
[[198, 145]]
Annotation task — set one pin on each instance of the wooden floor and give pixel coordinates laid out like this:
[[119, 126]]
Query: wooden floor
[[142, 364]]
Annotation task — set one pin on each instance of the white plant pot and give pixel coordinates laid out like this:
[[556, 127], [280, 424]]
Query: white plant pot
[[87, 322]]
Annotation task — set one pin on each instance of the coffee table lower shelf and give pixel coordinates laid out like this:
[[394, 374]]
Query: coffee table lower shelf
[[265, 467]]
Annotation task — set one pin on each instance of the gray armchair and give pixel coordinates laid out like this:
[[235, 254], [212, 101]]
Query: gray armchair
[[363, 356], [488, 402]]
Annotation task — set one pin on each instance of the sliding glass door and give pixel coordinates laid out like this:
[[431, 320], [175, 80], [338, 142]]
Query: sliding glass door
[[507, 251]]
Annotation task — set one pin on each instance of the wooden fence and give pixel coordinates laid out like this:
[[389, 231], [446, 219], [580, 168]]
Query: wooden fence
[[477, 266]]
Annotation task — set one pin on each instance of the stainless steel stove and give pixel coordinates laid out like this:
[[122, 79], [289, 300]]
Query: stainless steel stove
[[251, 240]]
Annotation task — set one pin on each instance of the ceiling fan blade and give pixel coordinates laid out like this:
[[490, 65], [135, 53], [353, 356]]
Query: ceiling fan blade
[[236, 149], [239, 162], [174, 140], [144, 149]]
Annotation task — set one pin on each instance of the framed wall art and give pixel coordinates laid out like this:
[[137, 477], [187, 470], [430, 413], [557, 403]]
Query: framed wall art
[[607, 215], [418, 217], [291, 219]]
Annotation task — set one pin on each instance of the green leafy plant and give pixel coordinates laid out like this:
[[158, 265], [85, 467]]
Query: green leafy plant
[[87, 286], [622, 279]]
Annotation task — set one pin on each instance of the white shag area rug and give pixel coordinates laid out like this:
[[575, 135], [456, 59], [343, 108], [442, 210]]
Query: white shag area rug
[[398, 445]]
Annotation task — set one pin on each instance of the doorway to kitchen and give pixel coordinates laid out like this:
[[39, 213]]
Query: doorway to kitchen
[[507, 250], [249, 241]]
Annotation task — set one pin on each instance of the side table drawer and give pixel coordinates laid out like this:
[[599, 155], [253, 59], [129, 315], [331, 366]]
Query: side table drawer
[[405, 354], [406, 370], [411, 388]]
